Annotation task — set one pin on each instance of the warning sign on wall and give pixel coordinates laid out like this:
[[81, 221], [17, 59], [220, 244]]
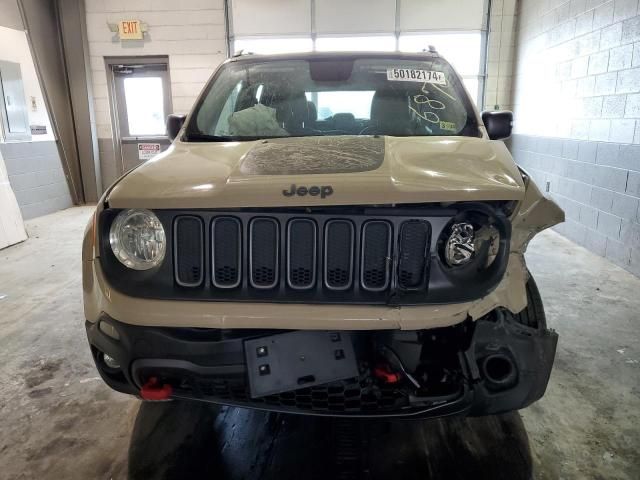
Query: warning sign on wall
[[148, 150]]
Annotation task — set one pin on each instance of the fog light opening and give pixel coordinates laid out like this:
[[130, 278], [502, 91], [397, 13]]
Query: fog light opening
[[110, 362]]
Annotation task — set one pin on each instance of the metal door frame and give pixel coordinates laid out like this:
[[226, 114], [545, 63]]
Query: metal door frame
[[116, 114]]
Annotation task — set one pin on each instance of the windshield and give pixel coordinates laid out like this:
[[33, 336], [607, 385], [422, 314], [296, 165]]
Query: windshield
[[249, 100]]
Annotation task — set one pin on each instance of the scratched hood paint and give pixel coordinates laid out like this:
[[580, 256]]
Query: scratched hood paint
[[365, 171]]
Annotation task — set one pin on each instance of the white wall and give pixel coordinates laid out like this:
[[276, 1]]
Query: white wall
[[190, 32], [11, 226], [577, 117], [14, 48], [578, 72]]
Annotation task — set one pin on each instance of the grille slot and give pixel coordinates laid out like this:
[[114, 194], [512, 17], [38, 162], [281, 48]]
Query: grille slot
[[189, 251], [263, 252], [338, 257], [226, 252], [376, 256], [414, 247], [301, 254]]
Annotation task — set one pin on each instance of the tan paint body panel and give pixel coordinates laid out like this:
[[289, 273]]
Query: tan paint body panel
[[414, 170]]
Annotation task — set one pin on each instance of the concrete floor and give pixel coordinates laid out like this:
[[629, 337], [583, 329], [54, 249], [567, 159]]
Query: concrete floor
[[58, 420]]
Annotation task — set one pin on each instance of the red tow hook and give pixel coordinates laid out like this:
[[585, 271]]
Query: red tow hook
[[384, 373], [152, 390]]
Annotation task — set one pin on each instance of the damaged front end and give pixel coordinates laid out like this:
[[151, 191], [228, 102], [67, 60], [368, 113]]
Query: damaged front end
[[483, 354], [498, 363]]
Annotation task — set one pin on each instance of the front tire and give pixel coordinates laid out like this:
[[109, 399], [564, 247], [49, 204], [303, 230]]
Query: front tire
[[533, 315]]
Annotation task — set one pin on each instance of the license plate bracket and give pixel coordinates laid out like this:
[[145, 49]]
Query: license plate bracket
[[293, 360]]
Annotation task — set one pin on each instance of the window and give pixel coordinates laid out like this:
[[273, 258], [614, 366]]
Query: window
[[462, 50], [382, 43], [409, 96], [357, 103], [13, 109], [273, 45], [145, 105], [222, 128]]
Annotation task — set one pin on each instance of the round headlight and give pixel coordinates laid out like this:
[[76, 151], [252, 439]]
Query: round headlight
[[137, 239], [460, 247]]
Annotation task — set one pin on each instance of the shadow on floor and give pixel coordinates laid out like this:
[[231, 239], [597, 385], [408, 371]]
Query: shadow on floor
[[191, 440]]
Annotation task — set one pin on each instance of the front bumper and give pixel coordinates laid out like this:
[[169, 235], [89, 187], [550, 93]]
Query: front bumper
[[209, 365]]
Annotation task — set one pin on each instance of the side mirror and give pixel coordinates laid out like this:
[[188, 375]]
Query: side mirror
[[174, 124], [498, 124]]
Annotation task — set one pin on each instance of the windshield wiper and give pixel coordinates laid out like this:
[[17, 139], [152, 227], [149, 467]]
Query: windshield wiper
[[203, 137]]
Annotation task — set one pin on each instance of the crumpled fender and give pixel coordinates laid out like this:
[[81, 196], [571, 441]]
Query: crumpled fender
[[535, 213]]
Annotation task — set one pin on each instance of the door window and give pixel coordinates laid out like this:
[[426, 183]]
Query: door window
[[145, 105], [142, 99]]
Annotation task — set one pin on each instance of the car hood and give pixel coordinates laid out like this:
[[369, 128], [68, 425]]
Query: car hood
[[358, 170]]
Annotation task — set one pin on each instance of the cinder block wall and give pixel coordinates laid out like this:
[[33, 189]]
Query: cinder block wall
[[191, 32], [36, 177], [577, 117]]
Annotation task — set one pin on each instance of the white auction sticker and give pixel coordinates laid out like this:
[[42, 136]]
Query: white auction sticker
[[147, 151], [415, 75]]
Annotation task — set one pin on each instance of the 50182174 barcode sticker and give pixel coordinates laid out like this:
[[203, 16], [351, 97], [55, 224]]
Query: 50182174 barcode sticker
[[398, 74]]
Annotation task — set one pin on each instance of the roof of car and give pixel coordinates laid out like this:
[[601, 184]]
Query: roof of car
[[241, 56]]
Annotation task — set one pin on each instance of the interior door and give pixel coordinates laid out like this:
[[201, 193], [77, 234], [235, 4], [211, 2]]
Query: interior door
[[141, 101]]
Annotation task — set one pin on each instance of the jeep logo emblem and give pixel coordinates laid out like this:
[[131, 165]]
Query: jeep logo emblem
[[314, 191]]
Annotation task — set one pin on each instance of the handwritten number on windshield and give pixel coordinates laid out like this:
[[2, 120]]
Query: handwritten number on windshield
[[423, 99]]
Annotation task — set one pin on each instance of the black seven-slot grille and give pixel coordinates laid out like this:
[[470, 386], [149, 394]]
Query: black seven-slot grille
[[304, 255]]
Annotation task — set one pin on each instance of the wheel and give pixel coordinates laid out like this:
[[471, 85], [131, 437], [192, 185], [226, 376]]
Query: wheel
[[533, 315]]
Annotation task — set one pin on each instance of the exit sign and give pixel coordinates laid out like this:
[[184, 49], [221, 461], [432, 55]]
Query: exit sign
[[130, 30]]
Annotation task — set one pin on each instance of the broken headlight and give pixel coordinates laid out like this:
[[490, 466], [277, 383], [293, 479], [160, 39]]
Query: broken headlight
[[460, 246], [470, 239]]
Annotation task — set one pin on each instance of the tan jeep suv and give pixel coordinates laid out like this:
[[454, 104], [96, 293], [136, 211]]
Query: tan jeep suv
[[337, 234]]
